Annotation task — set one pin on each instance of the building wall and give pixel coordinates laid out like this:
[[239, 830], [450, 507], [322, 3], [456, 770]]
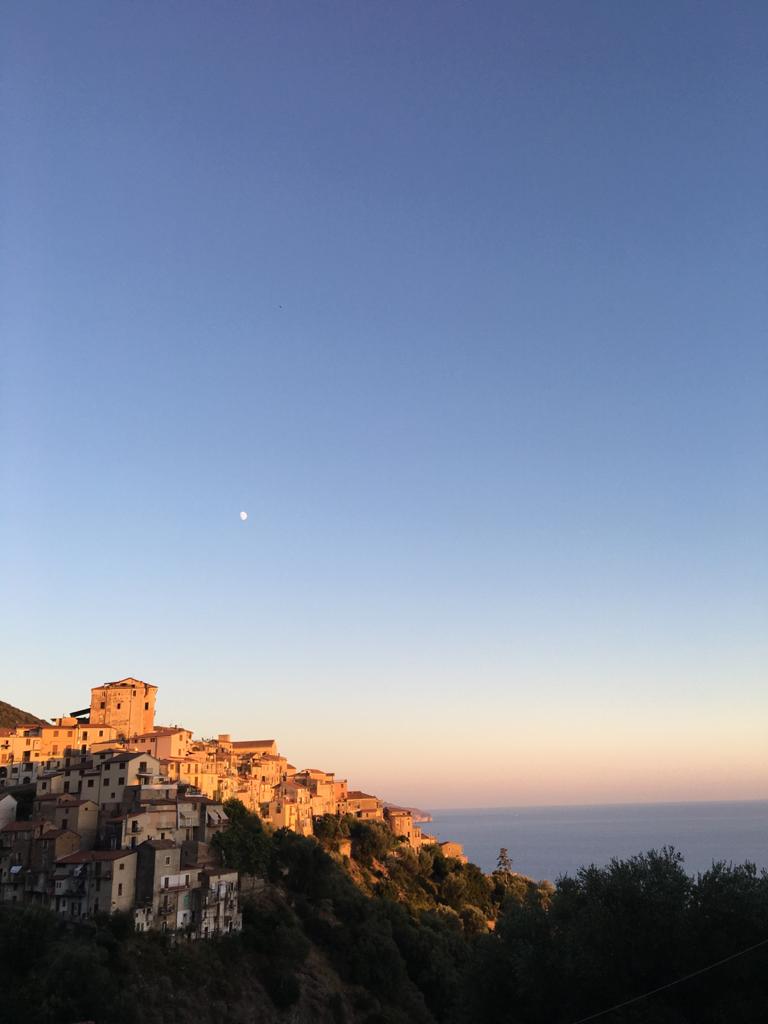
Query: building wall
[[7, 809], [128, 706]]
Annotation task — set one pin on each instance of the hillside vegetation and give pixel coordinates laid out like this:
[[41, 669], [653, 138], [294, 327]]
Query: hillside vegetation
[[11, 716], [389, 937]]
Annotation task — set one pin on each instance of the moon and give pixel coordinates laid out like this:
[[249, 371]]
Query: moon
[[243, 516]]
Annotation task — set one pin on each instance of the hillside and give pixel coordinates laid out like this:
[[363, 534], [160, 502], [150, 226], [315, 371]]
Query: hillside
[[10, 716], [387, 936]]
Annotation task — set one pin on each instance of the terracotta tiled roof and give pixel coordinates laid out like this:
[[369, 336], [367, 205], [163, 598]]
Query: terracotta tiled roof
[[161, 730], [126, 756], [128, 681], [22, 826], [89, 856], [55, 833]]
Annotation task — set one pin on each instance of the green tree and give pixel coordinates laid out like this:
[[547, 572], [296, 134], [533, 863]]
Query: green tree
[[504, 862], [243, 844]]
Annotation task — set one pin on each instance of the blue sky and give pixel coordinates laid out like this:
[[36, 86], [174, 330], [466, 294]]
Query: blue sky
[[466, 305]]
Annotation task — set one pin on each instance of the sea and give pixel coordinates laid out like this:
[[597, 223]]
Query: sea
[[547, 842]]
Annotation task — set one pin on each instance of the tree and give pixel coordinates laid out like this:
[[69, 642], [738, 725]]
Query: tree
[[504, 862], [243, 844]]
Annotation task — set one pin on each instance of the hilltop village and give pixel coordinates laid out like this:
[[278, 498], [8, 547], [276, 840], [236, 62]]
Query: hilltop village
[[124, 813]]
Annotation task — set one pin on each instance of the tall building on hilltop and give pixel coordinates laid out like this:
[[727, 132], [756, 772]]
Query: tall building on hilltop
[[127, 705]]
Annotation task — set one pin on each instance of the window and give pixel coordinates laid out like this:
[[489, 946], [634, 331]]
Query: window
[[55, 732], [101, 732], [121, 780], [85, 735], [90, 783], [167, 860], [65, 823], [102, 705], [43, 785], [142, 767], [119, 705], [120, 889], [146, 705], [122, 866]]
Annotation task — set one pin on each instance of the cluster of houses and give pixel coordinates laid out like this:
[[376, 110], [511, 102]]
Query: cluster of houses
[[124, 813]]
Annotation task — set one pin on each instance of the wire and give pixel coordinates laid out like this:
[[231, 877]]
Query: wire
[[670, 984]]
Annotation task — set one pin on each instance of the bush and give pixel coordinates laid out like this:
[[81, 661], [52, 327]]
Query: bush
[[281, 983]]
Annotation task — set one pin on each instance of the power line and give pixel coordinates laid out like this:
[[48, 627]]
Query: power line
[[670, 984]]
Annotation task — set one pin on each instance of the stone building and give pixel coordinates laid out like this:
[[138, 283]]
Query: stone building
[[88, 882], [127, 705]]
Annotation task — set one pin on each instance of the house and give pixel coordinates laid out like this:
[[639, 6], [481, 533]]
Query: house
[[291, 808], [219, 912], [67, 812], [16, 839], [66, 736], [8, 805], [91, 881], [164, 742], [119, 773], [164, 892], [454, 850], [127, 705], [400, 820], [47, 848], [322, 790], [363, 805]]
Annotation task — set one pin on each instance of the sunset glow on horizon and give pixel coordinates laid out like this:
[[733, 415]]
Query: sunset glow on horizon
[[465, 305]]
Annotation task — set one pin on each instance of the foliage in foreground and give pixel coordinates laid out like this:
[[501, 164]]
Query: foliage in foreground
[[393, 937], [613, 933]]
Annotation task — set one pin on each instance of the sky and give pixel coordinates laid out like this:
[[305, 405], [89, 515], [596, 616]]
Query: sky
[[465, 305]]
